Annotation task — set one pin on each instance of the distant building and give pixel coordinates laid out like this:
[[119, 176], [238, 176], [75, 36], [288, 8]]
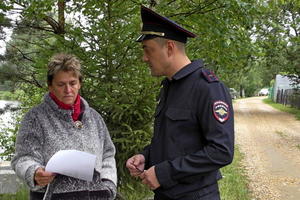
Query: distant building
[[281, 83], [282, 91]]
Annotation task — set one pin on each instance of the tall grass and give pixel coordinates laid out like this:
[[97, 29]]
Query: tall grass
[[233, 186], [22, 194], [283, 108]]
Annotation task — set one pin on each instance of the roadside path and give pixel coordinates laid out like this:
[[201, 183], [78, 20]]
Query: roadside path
[[270, 141]]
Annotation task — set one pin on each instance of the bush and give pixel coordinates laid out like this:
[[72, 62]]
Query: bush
[[6, 95]]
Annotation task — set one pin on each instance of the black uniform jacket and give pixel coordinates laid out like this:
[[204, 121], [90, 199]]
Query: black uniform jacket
[[193, 132]]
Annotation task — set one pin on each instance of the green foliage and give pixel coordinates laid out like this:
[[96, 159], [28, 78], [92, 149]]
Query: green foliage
[[6, 95], [116, 83], [31, 97], [6, 84], [28, 95], [277, 32], [4, 20], [223, 32], [8, 139]]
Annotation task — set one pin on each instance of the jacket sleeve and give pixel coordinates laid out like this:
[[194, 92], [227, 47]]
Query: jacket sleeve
[[145, 153], [109, 170], [218, 136], [28, 156]]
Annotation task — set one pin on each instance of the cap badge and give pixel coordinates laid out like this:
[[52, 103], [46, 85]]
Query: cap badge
[[221, 111]]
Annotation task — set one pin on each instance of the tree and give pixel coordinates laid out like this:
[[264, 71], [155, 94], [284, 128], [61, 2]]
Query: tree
[[277, 32], [115, 83]]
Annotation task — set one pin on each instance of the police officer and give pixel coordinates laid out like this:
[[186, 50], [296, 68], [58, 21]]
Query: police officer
[[193, 128]]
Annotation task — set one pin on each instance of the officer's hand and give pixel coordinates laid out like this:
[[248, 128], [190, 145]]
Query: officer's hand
[[42, 177], [149, 178], [136, 165]]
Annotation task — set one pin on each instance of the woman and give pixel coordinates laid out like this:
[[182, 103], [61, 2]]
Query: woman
[[64, 121]]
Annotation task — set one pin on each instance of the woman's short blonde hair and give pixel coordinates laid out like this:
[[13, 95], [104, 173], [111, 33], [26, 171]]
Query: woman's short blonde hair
[[63, 62]]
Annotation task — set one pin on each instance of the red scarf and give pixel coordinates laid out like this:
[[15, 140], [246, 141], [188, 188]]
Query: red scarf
[[75, 107]]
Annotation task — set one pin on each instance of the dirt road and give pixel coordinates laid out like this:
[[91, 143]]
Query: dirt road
[[270, 141]]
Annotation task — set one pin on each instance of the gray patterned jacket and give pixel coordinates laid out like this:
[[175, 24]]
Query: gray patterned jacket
[[47, 129]]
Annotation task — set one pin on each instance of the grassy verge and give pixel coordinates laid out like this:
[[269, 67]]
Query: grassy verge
[[283, 108], [233, 186], [22, 194]]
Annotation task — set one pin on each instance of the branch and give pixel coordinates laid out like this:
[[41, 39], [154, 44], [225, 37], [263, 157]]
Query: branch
[[61, 16], [20, 51], [124, 56], [152, 3], [33, 26], [57, 29], [169, 3], [20, 77], [197, 11], [34, 82]]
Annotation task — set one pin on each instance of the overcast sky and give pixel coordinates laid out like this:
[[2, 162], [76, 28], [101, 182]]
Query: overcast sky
[[2, 43]]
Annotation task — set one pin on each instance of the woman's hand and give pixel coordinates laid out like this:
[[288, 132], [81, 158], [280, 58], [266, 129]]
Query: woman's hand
[[42, 177]]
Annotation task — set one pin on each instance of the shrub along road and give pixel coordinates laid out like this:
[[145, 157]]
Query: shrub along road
[[270, 141]]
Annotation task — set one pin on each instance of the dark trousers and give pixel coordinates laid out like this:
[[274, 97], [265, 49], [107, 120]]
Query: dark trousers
[[82, 195], [213, 194]]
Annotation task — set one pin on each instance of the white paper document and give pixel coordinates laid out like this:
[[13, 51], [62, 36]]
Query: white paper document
[[77, 164]]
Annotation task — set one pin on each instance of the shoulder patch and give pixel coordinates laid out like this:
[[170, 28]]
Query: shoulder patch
[[221, 111], [209, 75]]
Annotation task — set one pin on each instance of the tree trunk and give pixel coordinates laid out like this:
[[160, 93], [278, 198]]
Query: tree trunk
[[61, 16]]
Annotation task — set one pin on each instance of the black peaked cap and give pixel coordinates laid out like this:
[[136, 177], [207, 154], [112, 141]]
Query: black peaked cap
[[155, 25]]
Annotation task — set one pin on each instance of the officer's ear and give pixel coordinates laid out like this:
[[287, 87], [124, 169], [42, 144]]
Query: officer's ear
[[170, 47]]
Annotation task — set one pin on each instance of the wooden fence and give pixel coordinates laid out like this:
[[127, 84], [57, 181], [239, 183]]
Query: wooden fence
[[289, 97]]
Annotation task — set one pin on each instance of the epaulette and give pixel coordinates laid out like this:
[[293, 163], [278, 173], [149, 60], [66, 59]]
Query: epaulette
[[209, 75]]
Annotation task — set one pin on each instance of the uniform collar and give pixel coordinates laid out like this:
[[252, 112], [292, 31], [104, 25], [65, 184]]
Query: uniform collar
[[188, 69]]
